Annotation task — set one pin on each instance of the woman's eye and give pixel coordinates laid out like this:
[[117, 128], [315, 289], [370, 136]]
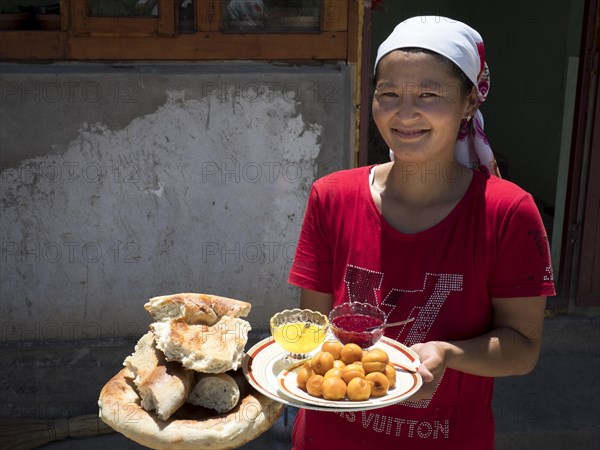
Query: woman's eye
[[427, 95], [386, 94]]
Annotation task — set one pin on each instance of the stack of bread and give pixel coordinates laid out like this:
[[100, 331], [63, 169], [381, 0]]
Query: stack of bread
[[184, 374]]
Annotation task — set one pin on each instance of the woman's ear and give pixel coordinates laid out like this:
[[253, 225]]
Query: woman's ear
[[472, 102]]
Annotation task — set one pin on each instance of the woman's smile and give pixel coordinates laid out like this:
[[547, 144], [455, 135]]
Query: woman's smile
[[412, 134]]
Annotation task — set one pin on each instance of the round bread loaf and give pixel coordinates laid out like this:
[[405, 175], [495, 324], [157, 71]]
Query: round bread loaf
[[215, 391], [191, 427]]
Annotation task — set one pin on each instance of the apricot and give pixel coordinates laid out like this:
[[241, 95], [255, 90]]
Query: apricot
[[333, 347], [353, 366], [358, 390], [335, 373], [375, 360], [352, 371], [339, 364], [390, 373], [379, 383], [334, 388], [374, 366], [321, 362], [382, 354], [314, 385], [351, 353], [304, 373]]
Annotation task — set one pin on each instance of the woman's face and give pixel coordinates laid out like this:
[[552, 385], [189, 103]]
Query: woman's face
[[418, 106]]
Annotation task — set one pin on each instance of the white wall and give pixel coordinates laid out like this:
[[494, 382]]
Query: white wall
[[121, 183]]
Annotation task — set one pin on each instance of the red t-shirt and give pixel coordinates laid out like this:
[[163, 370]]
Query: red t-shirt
[[492, 244]]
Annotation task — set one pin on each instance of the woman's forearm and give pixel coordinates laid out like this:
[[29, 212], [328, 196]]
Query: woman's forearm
[[512, 347], [501, 352]]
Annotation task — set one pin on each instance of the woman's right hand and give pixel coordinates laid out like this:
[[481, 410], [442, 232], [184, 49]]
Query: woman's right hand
[[432, 367]]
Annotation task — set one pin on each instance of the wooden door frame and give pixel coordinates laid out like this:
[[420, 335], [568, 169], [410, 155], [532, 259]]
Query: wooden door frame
[[575, 275]]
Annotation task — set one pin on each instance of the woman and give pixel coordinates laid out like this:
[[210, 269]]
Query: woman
[[435, 234]]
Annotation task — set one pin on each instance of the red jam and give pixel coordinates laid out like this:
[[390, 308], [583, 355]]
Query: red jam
[[351, 328]]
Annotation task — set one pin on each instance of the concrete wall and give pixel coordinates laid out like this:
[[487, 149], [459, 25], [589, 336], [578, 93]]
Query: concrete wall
[[122, 182]]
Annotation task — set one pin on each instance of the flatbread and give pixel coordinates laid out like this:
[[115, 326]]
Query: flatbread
[[210, 349], [191, 427], [205, 309]]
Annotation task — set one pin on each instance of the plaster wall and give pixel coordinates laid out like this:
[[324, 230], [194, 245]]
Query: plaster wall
[[122, 182]]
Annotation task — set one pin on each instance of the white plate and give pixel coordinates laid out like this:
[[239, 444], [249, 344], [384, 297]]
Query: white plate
[[266, 371]]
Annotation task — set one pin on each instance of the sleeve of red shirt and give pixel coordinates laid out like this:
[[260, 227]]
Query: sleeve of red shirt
[[312, 265], [523, 267]]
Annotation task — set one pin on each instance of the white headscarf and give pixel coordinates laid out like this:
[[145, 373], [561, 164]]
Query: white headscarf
[[462, 45]]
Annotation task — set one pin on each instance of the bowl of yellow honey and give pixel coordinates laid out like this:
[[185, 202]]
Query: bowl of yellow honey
[[299, 331]]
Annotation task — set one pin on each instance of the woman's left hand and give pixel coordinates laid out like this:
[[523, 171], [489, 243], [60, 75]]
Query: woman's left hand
[[432, 366]]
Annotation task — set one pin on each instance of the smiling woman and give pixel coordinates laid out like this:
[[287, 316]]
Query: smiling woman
[[433, 235]]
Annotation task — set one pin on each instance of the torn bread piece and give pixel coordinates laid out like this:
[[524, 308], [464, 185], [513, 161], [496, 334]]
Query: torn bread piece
[[195, 308], [163, 386], [215, 391], [166, 389], [145, 358], [210, 349]]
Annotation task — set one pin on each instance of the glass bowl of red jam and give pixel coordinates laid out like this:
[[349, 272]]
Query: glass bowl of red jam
[[349, 322]]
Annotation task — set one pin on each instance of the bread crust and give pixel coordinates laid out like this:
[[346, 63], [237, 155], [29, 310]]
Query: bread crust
[[195, 308], [191, 427]]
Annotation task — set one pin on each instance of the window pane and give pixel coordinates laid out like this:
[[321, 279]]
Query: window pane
[[271, 16], [31, 15], [39, 6], [186, 16], [112, 8]]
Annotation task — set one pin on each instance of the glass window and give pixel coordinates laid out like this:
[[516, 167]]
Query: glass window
[[177, 30], [186, 16], [271, 16], [36, 6], [127, 8], [29, 15]]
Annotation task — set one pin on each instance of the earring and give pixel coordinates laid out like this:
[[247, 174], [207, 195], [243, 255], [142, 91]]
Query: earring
[[468, 118]]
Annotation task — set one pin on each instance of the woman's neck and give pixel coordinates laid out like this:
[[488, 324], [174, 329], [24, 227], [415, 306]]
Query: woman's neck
[[424, 184]]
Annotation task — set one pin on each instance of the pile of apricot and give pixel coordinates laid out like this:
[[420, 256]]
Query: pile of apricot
[[339, 372]]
